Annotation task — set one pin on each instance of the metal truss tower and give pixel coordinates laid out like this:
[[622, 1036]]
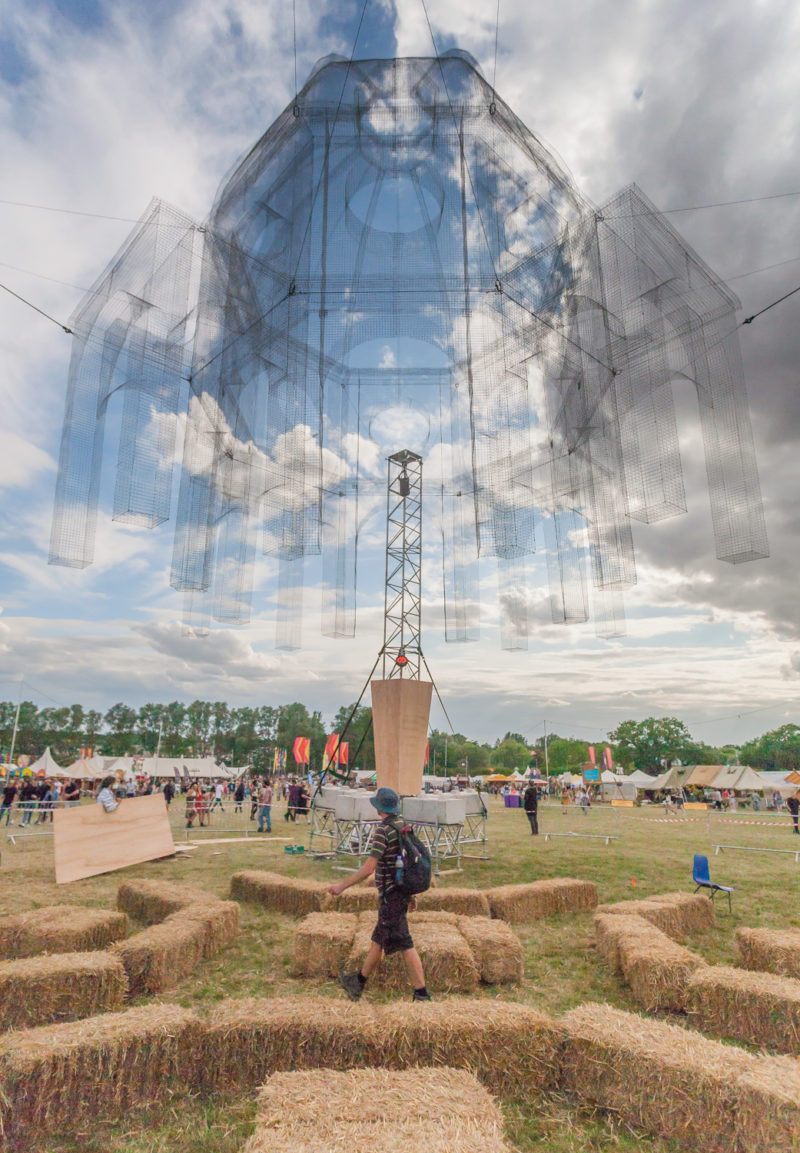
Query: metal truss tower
[[402, 623]]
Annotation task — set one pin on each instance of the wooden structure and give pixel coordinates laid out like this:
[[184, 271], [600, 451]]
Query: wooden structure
[[400, 711], [88, 840]]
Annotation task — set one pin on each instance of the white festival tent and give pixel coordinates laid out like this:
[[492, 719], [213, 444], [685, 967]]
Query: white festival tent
[[773, 780], [90, 769], [195, 768], [46, 766]]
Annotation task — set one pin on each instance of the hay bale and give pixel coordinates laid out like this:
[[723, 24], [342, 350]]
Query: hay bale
[[246, 1040], [59, 987], [656, 967], [322, 944], [283, 894], [496, 948], [62, 1078], [324, 1111], [610, 930], [431, 917], [768, 1106], [771, 950], [356, 899], [449, 964], [60, 929], [220, 921], [152, 901], [465, 902], [520, 904], [758, 1008], [676, 914], [162, 955], [659, 1078]]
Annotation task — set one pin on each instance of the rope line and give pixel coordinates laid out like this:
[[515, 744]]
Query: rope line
[[41, 311], [780, 299]]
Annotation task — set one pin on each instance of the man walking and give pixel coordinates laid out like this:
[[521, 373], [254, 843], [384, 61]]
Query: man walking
[[218, 790], [530, 801], [265, 810], [391, 933], [793, 805]]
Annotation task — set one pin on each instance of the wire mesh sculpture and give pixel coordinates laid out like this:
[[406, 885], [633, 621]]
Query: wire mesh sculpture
[[400, 262]]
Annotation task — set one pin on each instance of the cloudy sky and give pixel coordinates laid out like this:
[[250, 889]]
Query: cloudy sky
[[105, 105]]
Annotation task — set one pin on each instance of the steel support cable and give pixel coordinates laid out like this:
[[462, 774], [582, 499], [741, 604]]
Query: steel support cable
[[348, 722], [436, 690], [700, 207], [750, 319], [41, 311]]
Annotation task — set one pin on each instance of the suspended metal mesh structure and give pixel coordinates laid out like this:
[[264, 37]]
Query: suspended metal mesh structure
[[400, 261]]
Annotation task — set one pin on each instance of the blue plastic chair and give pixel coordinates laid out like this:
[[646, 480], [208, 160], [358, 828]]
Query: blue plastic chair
[[702, 878]]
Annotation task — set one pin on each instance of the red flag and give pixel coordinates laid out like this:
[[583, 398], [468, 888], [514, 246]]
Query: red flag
[[609, 761], [591, 754], [343, 752], [302, 748], [427, 753], [330, 749]]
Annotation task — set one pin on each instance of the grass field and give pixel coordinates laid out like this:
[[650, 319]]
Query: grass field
[[561, 967]]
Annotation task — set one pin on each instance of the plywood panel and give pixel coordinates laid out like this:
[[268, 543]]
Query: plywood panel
[[400, 712], [88, 840]]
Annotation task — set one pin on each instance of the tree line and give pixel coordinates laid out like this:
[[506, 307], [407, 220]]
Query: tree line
[[250, 735]]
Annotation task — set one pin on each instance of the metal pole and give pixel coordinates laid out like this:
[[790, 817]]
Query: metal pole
[[16, 722], [546, 762]]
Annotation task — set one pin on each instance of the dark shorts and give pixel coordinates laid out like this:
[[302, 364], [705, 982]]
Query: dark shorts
[[391, 931]]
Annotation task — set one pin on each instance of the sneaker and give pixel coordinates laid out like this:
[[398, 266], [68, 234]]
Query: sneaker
[[418, 996], [352, 985]]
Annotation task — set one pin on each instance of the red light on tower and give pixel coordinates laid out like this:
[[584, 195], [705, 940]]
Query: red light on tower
[[401, 659]]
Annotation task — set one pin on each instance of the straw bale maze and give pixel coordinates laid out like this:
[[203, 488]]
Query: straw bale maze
[[72, 1054]]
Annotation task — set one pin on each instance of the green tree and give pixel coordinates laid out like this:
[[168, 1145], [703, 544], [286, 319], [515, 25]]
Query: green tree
[[358, 734], [778, 749], [510, 754], [121, 722], [652, 741]]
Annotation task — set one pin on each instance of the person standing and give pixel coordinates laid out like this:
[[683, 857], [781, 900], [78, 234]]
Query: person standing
[[530, 801], [793, 805], [169, 792], [218, 791], [391, 933], [27, 801], [238, 796], [9, 794], [291, 798], [265, 807], [72, 793]]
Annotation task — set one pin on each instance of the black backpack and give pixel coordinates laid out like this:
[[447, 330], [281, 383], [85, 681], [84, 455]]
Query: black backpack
[[416, 862]]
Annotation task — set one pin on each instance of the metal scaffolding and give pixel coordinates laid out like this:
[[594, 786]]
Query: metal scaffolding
[[402, 621]]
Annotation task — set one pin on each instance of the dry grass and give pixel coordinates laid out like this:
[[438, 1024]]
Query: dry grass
[[655, 967], [322, 944], [275, 891], [62, 1077], [496, 948], [324, 1111], [758, 1008], [770, 950], [511, 1048], [59, 987], [60, 929], [153, 901], [519, 904], [447, 959], [676, 914], [659, 1078]]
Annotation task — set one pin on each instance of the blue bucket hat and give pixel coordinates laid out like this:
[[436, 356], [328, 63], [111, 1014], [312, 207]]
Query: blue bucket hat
[[385, 801]]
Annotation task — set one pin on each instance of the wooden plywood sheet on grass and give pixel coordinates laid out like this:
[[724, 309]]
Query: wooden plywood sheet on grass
[[88, 840]]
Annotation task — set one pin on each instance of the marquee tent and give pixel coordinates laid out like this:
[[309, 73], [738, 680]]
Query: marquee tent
[[46, 766], [90, 769], [195, 768], [705, 776]]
